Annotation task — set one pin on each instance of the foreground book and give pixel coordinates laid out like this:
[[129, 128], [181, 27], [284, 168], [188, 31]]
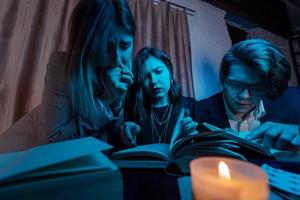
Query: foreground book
[[74, 169], [177, 155]]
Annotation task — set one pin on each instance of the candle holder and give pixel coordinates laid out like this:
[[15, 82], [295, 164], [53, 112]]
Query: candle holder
[[219, 178]]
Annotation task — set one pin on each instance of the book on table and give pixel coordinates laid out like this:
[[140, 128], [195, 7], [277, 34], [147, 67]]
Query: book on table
[[256, 146], [181, 150], [75, 169]]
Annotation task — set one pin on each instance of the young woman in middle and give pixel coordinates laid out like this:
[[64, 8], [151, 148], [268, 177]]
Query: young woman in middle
[[154, 102]]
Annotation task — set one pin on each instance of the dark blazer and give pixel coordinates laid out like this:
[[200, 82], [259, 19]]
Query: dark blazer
[[284, 109]]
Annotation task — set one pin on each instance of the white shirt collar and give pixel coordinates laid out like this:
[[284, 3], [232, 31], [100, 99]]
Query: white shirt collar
[[249, 122]]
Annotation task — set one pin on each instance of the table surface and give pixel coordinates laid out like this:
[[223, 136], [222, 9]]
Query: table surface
[[157, 184], [185, 190]]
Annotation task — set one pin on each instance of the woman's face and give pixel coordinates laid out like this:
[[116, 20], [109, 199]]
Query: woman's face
[[119, 49], [156, 79], [118, 76]]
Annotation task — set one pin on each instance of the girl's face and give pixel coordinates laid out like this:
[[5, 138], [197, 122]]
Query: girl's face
[[156, 79], [119, 48]]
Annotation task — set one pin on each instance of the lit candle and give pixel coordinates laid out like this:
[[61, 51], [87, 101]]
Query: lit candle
[[217, 178]]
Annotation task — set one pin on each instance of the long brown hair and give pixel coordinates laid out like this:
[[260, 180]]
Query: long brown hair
[[91, 23]]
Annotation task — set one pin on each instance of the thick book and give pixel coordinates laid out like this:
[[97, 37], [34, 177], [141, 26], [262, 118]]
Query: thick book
[[178, 154], [257, 146], [75, 169]]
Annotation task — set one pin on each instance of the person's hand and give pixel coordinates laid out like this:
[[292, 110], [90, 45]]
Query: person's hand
[[129, 132], [185, 125], [188, 125], [277, 135], [118, 79]]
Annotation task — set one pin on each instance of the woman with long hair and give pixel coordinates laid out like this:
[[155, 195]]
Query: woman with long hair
[[86, 85], [154, 102]]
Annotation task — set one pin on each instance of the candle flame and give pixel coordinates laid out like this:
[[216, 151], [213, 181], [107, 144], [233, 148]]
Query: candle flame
[[224, 170]]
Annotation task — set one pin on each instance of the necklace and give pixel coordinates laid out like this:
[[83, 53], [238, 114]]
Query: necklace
[[163, 120], [161, 136]]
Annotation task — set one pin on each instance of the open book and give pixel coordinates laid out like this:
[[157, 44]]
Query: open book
[[178, 154], [256, 146], [181, 150], [60, 171]]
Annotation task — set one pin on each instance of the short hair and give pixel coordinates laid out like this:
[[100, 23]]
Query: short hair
[[91, 23], [136, 93], [264, 58]]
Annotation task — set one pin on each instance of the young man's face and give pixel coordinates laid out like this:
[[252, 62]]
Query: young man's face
[[243, 89]]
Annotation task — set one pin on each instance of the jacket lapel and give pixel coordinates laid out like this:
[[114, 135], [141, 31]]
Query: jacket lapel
[[218, 113]]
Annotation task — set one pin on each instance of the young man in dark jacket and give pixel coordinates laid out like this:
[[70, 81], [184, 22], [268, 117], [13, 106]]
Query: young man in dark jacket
[[255, 96]]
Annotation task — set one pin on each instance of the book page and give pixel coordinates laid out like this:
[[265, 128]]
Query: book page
[[231, 134], [283, 180], [278, 154], [158, 150], [92, 162], [201, 140], [286, 156], [203, 143], [141, 164], [16, 163], [177, 129]]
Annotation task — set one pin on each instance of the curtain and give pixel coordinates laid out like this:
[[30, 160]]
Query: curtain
[[31, 30]]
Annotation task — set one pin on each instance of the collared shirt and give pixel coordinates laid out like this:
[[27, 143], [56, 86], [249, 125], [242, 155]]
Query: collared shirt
[[248, 123]]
